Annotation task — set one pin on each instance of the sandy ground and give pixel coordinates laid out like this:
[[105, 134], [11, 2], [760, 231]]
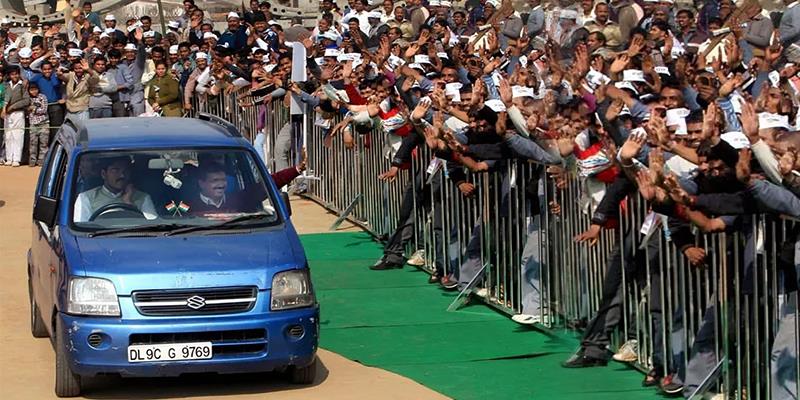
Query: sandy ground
[[27, 364]]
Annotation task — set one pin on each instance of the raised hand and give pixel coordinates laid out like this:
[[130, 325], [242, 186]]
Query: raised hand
[[647, 187], [787, 161], [730, 85], [743, 166], [421, 109], [636, 46], [732, 51], [749, 120], [614, 109], [710, 128], [676, 192], [631, 147], [506, 94], [619, 63], [658, 132]]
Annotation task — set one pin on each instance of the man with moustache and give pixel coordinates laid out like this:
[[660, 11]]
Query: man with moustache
[[116, 188]]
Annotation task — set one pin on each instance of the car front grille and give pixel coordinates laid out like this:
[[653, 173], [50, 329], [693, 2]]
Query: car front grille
[[243, 341], [206, 301]]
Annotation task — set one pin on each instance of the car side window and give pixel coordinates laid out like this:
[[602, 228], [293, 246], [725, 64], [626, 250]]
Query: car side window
[[51, 179]]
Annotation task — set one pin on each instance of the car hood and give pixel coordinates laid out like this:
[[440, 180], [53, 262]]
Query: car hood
[[196, 261]]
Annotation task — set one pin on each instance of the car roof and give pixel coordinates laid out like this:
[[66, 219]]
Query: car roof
[[141, 133]]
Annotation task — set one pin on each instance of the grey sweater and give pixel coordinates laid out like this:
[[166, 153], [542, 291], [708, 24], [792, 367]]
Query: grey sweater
[[16, 97], [105, 91]]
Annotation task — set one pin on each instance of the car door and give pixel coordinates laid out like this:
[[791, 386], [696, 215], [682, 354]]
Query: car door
[[46, 251]]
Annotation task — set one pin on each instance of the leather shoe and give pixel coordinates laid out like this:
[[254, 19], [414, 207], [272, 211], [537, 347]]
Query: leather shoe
[[384, 265], [580, 360]]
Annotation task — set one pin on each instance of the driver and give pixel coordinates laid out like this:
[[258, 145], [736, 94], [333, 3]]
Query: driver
[[116, 188]]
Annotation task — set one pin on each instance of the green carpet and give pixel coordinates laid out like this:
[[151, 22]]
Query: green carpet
[[396, 321]]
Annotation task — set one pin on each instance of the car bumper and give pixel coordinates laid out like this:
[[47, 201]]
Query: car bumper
[[232, 354]]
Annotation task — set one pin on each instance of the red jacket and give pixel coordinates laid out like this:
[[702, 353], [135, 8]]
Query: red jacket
[[285, 176]]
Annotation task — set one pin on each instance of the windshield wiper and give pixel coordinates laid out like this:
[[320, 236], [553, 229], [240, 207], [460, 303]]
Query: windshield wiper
[[231, 223], [140, 228]]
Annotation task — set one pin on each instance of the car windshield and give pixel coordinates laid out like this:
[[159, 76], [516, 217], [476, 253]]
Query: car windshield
[[168, 190]]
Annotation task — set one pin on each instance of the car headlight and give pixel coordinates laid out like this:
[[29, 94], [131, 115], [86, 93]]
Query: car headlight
[[291, 289], [92, 296]]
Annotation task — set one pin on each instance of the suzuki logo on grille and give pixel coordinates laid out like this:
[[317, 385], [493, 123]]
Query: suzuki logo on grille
[[196, 302]]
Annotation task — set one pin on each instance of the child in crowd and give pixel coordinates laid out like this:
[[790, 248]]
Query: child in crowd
[[39, 126], [17, 101]]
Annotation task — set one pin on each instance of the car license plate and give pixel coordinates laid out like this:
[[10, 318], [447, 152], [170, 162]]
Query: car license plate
[[169, 352]]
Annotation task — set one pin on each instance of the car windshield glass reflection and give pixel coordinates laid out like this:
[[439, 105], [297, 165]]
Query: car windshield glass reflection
[[159, 191]]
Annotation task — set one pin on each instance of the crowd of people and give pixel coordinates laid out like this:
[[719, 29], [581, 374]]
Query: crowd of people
[[693, 104]]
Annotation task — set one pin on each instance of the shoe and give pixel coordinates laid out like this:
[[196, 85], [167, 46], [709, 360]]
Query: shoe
[[417, 259], [669, 387], [15, 164], [434, 278], [628, 352], [6, 163], [580, 360], [449, 283], [528, 319], [383, 265], [652, 378], [577, 324], [482, 292]]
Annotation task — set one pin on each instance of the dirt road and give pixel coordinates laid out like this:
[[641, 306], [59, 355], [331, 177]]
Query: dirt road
[[27, 364]]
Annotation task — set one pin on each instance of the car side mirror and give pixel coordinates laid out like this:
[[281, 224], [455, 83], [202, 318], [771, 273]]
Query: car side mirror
[[285, 197], [45, 210]]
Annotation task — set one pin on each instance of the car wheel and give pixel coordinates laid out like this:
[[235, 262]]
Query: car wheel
[[68, 384], [38, 330], [303, 375]]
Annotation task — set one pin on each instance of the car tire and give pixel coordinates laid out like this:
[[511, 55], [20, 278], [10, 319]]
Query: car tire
[[303, 375], [68, 384], [38, 330]]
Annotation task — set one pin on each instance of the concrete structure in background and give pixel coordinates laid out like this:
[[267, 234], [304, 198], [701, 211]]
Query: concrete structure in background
[[17, 11]]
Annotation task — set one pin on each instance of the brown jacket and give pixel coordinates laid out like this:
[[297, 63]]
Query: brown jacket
[[79, 92]]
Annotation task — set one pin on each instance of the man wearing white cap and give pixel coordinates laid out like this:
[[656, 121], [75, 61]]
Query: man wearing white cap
[[376, 29], [135, 57], [235, 36], [192, 90], [25, 57], [111, 29]]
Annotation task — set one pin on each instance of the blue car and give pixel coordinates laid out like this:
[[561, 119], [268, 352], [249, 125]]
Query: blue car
[[160, 247]]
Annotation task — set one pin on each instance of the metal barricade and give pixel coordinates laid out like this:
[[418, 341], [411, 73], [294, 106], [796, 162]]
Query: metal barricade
[[728, 327]]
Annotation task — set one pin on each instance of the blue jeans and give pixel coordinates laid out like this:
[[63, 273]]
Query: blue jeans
[[258, 143]]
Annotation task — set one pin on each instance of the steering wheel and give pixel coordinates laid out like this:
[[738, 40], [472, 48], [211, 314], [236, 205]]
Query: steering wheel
[[117, 210]]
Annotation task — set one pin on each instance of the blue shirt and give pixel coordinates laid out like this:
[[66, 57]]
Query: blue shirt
[[51, 88]]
